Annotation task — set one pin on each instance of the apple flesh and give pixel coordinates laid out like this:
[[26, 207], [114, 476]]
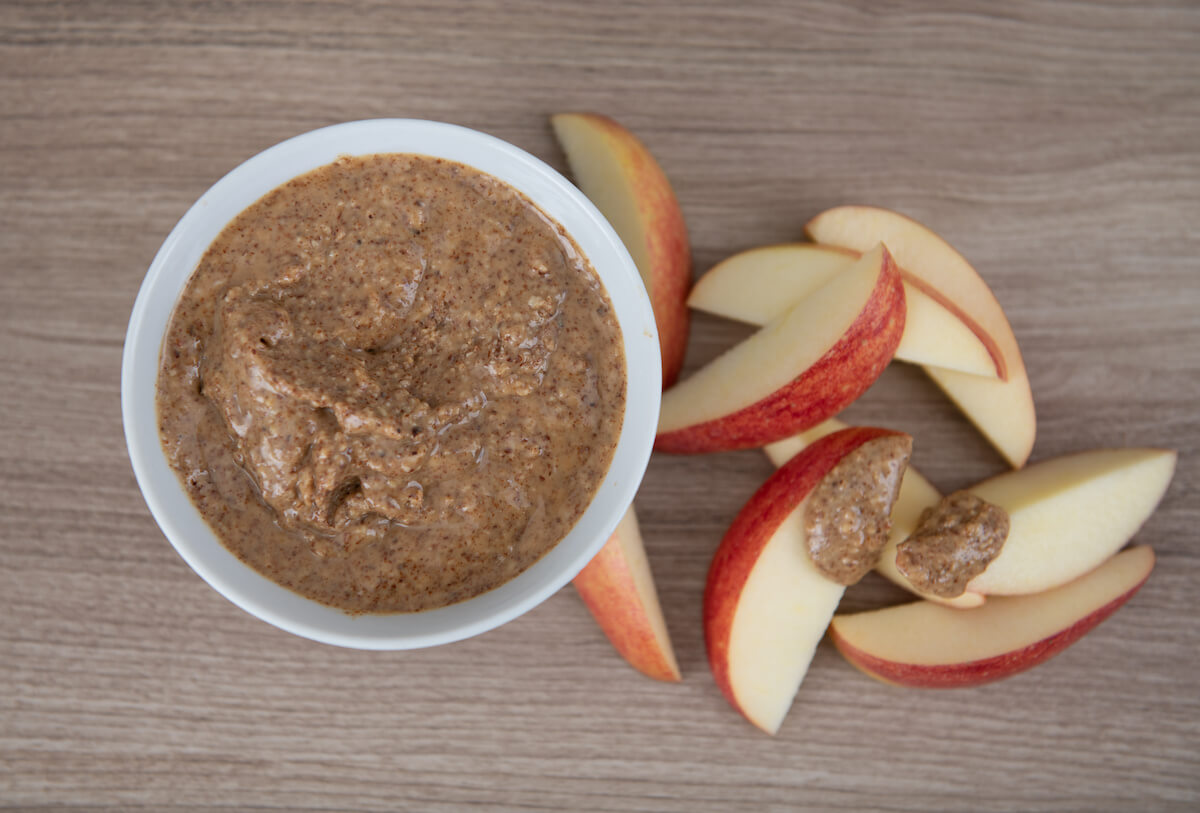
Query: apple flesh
[[618, 174], [795, 372], [1069, 514], [1001, 409], [925, 645], [618, 589], [766, 606], [758, 285]]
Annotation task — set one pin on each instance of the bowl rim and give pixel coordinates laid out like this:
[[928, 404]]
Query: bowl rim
[[176, 259]]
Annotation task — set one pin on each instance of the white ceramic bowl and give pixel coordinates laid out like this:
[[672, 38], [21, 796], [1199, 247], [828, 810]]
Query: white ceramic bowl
[[183, 524]]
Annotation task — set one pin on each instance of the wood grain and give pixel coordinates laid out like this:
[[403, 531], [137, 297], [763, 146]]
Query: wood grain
[[1054, 143]]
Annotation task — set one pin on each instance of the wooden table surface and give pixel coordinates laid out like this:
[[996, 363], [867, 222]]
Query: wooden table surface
[[1056, 144]]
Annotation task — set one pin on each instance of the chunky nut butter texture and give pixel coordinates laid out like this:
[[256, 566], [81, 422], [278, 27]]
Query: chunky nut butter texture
[[954, 542], [848, 515], [392, 384]]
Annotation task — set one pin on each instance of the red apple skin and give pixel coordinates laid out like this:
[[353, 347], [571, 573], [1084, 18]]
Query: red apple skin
[[987, 670], [606, 586], [669, 286], [754, 526], [835, 381]]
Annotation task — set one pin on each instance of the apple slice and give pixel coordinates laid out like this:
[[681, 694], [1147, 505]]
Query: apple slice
[[795, 372], [618, 589], [616, 171], [928, 646], [1001, 409], [1069, 514], [916, 494], [766, 605], [758, 285]]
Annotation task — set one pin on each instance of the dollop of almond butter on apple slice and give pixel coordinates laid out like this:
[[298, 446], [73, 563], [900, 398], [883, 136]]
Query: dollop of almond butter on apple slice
[[954, 542], [848, 517]]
